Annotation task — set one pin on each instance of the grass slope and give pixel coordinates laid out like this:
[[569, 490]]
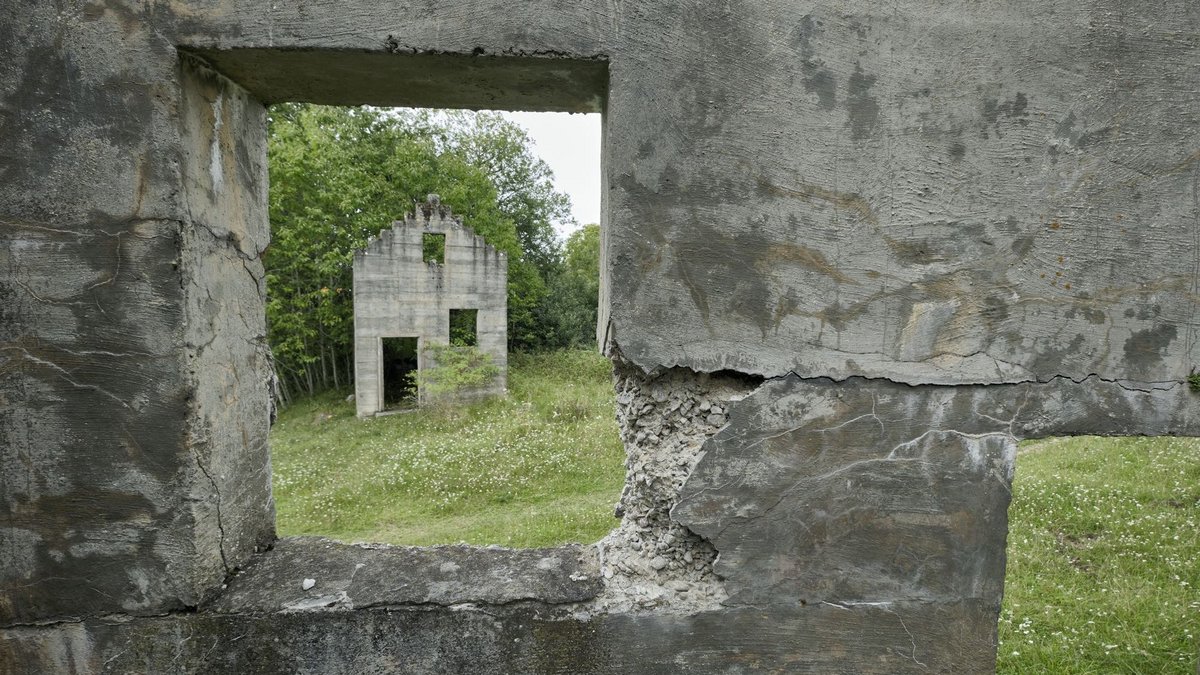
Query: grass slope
[[541, 467], [1103, 558]]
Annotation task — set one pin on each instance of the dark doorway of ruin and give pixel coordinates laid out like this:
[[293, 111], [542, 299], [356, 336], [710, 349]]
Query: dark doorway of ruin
[[464, 327], [400, 363]]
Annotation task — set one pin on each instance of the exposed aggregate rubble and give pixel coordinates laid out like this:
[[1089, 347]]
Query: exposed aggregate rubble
[[650, 561]]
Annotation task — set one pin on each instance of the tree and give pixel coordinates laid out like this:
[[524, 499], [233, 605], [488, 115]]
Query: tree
[[574, 290], [524, 183], [525, 194], [582, 256]]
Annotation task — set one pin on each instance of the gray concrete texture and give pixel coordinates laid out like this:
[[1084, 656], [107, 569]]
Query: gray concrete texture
[[932, 229], [397, 293]]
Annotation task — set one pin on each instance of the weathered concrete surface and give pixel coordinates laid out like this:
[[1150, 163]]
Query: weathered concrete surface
[[401, 75], [931, 194], [895, 638], [873, 491], [650, 560], [350, 576], [133, 459], [399, 294], [228, 361], [970, 198], [553, 54]]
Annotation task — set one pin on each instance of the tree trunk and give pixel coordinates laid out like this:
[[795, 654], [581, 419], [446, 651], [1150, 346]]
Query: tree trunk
[[333, 364]]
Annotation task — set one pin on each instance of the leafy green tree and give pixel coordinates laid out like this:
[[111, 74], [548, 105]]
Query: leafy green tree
[[524, 182], [574, 291], [582, 257], [525, 194]]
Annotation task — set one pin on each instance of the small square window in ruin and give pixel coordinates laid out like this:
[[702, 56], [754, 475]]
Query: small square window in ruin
[[400, 364], [464, 327], [433, 247]]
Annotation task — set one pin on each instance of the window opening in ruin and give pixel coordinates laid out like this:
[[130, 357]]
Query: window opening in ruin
[[1103, 536], [400, 363], [464, 327], [433, 248], [539, 462]]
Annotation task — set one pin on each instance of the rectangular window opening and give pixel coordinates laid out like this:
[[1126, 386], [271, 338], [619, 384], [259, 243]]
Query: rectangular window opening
[[362, 328], [433, 248], [464, 327]]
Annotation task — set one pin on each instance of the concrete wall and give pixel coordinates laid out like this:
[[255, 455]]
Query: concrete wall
[[398, 294], [134, 472], [853, 252]]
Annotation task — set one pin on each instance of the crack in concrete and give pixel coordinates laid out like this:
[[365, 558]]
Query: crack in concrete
[[48, 301], [220, 522], [481, 606], [66, 375], [488, 608], [230, 238], [112, 619], [89, 232], [886, 607], [101, 352], [911, 639], [1124, 383], [394, 46]]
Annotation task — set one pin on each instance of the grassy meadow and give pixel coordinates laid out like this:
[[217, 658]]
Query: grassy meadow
[[1103, 558], [1103, 549], [541, 467]]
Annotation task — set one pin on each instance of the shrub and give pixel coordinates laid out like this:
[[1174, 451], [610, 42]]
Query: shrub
[[452, 369]]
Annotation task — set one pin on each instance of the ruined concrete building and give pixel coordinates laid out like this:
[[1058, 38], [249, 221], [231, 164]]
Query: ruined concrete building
[[852, 253], [413, 284]]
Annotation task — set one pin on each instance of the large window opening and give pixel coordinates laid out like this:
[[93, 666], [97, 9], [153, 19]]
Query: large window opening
[[538, 463], [1103, 549]]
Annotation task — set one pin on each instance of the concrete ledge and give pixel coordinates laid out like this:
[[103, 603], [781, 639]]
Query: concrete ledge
[[820, 638], [350, 576], [544, 83]]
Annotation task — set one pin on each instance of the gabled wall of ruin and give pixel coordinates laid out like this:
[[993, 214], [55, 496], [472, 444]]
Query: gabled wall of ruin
[[397, 293]]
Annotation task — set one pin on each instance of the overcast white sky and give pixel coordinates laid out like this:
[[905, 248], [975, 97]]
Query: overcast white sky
[[570, 144]]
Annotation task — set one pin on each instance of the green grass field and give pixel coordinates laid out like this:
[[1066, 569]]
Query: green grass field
[[1103, 558], [1104, 541], [541, 467]]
